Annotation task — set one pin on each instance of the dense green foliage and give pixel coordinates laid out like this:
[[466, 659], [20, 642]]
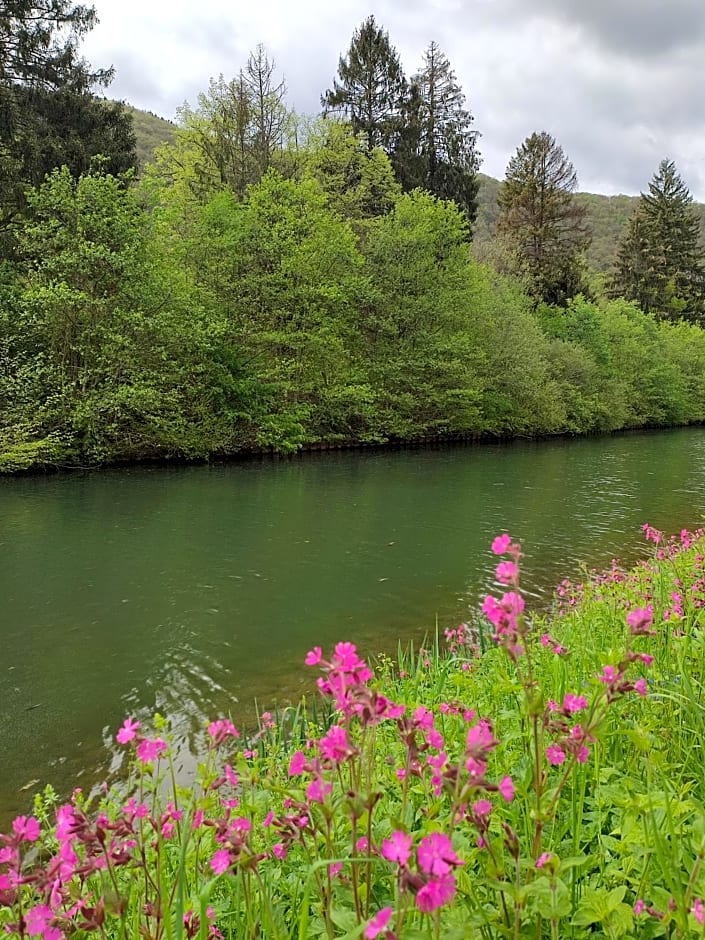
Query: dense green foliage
[[295, 317], [522, 783], [660, 263]]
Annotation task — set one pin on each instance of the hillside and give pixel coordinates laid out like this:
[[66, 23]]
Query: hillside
[[151, 132], [606, 216]]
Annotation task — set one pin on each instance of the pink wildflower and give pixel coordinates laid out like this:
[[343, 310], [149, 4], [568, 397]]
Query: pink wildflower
[[220, 861], [574, 703], [435, 854], [640, 620], [296, 764], [436, 893], [640, 686], [698, 910], [378, 924], [542, 859], [639, 906], [507, 572], [27, 829], [147, 750], [397, 848], [335, 746], [279, 850], [127, 732], [506, 789], [555, 755], [314, 657], [501, 543]]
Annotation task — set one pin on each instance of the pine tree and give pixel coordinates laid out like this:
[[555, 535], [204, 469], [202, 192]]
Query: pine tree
[[540, 220], [370, 88], [437, 149], [660, 262]]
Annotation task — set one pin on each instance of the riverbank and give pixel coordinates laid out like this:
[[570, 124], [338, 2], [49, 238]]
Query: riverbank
[[520, 781]]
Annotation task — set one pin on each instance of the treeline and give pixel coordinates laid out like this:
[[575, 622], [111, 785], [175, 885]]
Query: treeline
[[229, 325], [278, 283]]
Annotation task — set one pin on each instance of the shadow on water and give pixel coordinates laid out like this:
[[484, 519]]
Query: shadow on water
[[193, 591]]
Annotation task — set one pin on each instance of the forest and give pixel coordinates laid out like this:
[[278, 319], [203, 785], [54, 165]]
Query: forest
[[271, 281]]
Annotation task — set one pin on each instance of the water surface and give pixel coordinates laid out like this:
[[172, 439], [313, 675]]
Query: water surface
[[195, 590]]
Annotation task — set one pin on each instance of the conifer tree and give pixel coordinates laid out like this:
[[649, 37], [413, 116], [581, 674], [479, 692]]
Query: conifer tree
[[660, 262], [540, 220], [437, 149], [370, 88]]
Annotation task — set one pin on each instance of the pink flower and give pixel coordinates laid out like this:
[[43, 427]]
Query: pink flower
[[436, 893], [506, 789], [38, 920], [279, 850], [147, 750], [268, 819], [507, 572], [296, 764], [314, 657], [335, 869], [397, 848], [640, 686], [435, 854], [378, 924], [482, 808], [574, 703], [220, 861], [542, 859], [317, 790], [362, 844], [231, 776], [555, 755], [334, 746], [639, 907], [501, 543], [698, 910], [221, 729], [28, 829], [640, 620], [609, 674], [127, 732]]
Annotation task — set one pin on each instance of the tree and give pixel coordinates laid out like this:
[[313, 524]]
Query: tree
[[235, 133], [437, 149], [48, 116], [370, 88], [359, 183], [541, 221], [660, 262]]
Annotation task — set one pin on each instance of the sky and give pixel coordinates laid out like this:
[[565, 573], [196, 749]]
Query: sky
[[620, 84]]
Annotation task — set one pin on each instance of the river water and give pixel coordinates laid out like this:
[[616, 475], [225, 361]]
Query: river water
[[194, 591]]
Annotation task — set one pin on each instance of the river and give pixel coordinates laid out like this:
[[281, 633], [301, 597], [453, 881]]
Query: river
[[196, 590]]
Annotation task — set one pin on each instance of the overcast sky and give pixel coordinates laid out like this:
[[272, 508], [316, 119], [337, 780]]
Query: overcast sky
[[619, 83]]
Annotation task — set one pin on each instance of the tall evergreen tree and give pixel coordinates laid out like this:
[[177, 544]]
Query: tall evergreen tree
[[541, 221], [370, 88], [437, 149], [660, 261], [48, 115]]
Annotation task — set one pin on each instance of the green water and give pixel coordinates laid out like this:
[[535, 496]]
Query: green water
[[194, 590]]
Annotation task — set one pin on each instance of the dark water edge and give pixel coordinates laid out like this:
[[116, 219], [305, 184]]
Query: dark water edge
[[194, 590], [432, 442]]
